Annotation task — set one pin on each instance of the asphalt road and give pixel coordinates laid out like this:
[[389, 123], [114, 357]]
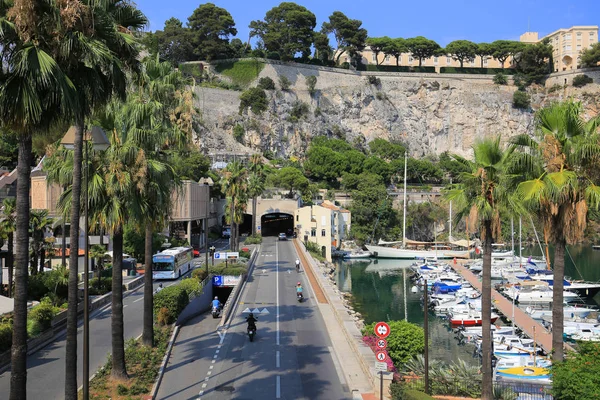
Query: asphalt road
[[46, 367], [290, 358]]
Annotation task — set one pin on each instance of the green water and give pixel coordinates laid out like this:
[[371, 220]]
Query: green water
[[377, 288]]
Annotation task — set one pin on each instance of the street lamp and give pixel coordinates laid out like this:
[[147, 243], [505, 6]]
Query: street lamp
[[207, 182], [99, 142]]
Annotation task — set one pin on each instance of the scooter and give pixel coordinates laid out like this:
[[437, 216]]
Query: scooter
[[215, 312], [251, 332], [300, 297]]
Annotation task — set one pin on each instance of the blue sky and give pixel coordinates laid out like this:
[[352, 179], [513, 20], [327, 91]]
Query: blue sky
[[440, 20]]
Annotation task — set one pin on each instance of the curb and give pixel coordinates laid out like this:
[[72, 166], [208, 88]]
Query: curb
[[163, 365], [349, 338]]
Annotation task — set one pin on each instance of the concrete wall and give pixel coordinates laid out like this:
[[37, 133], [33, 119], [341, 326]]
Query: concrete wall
[[189, 203], [199, 304], [566, 77], [268, 206]]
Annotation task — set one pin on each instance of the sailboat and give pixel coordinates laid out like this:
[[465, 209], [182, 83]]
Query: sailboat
[[384, 249]]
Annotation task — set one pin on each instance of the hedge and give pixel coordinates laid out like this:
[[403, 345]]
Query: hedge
[[191, 287], [43, 314], [5, 336], [394, 68], [173, 299], [476, 71]]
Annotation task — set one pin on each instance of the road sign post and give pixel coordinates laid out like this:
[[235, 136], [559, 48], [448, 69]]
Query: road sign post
[[382, 330]]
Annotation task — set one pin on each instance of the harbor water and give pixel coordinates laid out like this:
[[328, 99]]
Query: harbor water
[[378, 291]]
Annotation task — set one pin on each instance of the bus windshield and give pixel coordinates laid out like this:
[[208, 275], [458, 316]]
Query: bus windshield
[[162, 266]]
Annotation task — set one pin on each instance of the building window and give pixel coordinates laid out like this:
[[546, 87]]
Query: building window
[[323, 233], [297, 218], [313, 232], [564, 47], [410, 59], [568, 36], [472, 62], [568, 47], [591, 34], [435, 60], [399, 59], [448, 60], [374, 58], [578, 47], [485, 61], [387, 58], [578, 34]]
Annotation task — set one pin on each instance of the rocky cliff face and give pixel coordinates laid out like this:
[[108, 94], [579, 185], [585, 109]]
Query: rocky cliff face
[[430, 114]]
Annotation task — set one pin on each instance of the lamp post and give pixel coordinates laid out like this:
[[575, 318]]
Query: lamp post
[[206, 182], [99, 142]]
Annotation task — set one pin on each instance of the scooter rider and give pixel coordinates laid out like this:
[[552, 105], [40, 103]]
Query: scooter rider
[[251, 321], [159, 288], [299, 290], [297, 264], [216, 303]]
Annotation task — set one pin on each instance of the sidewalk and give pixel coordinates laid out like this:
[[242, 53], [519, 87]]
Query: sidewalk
[[353, 355]]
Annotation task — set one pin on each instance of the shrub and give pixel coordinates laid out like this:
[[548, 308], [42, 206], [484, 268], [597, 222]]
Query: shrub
[[311, 83], [253, 239], [174, 299], [555, 88], [405, 341], [284, 82], [299, 110], [33, 328], [520, 81], [373, 80], [238, 132], [191, 287], [254, 98], [100, 287], [521, 100], [43, 314], [380, 96], [582, 80], [578, 376], [500, 79], [266, 83], [245, 254], [200, 274], [273, 55], [345, 65], [5, 336]]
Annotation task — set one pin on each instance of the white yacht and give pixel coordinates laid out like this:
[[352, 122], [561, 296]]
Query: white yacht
[[536, 292]]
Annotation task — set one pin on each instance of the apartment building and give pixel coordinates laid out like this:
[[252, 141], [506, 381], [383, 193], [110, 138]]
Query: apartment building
[[325, 224], [567, 44]]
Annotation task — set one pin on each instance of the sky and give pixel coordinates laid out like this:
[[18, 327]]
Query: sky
[[440, 20]]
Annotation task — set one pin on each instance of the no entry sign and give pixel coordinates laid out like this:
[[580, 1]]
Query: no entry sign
[[382, 330]]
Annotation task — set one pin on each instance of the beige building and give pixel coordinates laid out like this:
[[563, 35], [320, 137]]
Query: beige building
[[567, 45], [325, 224]]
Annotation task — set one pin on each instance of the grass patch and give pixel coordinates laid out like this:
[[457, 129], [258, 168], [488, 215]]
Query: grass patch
[[241, 73], [142, 366]]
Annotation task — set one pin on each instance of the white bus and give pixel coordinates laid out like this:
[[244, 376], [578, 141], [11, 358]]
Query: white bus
[[172, 263]]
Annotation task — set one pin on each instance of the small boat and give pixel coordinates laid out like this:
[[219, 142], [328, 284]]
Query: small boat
[[596, 246], [536, 292], [472, 318], [357, 254], [527, 373]]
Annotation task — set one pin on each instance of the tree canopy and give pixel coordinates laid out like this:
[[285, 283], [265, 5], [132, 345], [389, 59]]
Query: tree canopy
[[173, 43], [210, 28], [462, 50], [349, 36], [377, 44], [395, 48], [483, 50], [287, 29], [421, 48], [502, 49], [591, 57], [535, 61]]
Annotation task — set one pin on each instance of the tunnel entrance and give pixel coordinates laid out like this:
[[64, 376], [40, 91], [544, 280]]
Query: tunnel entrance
[[222, 293], [246, 225], [275, 223]]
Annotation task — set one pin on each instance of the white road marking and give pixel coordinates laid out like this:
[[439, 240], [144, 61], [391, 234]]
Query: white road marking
[[203, 385], [140, 299], [277, 291], [215, 356], [125, 305], [211, 367], [213, 361], [209, 372], [277, 359], [278, 387], [222, 336], [217, 351]]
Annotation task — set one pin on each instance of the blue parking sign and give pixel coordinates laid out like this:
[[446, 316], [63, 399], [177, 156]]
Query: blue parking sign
[[217, 255], [217, 280]]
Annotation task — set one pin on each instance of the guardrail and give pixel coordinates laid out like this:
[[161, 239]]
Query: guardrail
[[236, 292]]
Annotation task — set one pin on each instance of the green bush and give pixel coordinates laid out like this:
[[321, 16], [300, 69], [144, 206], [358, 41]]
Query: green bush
[[299, 110], [521, 100], [500, 79], [578, 376], [398, 392], [266, 83], [345, 65], [582, 80], [101, 287], [5, 336], [253, 239], [311, 83], [476, 71], [284, 82], [405, 341], [394, 68], [200, 274], [238, 132], [33, 328], [555, 88], [245, 254], [254, 98], [273, 55], [191, 286], [174, 299], [43, 314], [373, 80]]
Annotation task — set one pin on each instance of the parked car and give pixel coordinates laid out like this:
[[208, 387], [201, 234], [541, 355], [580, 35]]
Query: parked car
[[282, 236], [196, 253], [226, 233]]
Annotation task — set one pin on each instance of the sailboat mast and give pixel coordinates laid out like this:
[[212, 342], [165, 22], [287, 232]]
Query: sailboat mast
[[404, 206]]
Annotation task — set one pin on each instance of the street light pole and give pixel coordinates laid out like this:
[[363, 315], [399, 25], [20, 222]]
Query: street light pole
[[206, 228]]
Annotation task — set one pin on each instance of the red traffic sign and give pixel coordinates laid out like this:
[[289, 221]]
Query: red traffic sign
[[380, 356], [381, 344], [382, 330]]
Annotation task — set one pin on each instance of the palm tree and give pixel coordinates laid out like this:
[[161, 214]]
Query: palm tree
[[39, 222], [235, 189], [559, 183], [8, 227], [256, 186], [479, 197], [34, 93]]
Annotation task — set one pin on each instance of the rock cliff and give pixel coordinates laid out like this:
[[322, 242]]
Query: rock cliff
[[430, 113]]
